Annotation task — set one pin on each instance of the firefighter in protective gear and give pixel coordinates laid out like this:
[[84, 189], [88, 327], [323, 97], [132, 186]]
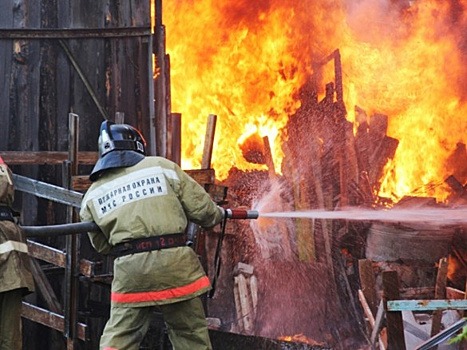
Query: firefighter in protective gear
[[142, 205], [15, 266]]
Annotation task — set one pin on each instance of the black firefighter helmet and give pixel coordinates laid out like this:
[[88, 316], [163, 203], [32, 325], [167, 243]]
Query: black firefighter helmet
[[120, 145]]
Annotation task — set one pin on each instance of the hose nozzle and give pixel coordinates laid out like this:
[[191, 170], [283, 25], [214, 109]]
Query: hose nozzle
[[241, 214]]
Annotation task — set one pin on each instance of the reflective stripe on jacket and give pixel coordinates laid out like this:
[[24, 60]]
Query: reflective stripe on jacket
[[154, 197], [9, 246]]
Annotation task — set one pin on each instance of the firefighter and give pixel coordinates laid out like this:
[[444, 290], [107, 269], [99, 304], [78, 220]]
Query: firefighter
[[15, 266], [142, 205]]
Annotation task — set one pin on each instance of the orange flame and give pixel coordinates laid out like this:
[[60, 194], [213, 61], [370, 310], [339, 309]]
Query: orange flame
[[300, 338], [245, 62]]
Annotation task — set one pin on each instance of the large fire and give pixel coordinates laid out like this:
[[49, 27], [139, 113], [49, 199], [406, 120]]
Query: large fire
[[245, 61]]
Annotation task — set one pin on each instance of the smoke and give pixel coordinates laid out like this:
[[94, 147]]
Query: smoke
[[372, 21]]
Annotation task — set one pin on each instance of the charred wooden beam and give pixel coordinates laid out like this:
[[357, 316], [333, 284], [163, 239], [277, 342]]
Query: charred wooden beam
[[378, 159], [72, 33], [394, 318], [174, 138], [455, 185]]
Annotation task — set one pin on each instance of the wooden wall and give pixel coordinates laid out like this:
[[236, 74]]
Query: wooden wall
[[91, 58], [88, 57]]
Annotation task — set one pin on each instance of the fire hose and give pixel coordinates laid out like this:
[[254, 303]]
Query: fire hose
[[60, 230], [90, 226]]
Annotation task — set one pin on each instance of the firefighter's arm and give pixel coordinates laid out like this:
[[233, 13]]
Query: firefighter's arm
[[99, 242], [98, 239], [197, 203]]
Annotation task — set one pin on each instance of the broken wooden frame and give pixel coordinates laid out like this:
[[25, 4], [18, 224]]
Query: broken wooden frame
[[392, 305]]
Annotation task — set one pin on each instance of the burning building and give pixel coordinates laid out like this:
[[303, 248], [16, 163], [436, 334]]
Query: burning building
[[323, 105]]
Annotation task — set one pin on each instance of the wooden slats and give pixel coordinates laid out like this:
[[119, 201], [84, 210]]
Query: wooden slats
[[58, 258], [50, 319], [42, 158]]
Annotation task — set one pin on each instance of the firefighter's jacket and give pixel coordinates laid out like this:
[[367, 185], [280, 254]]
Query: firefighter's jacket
[[15, 264], [152, 198]]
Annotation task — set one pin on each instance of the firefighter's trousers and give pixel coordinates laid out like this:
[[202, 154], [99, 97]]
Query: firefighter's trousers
[[10, 320], [185, 321]]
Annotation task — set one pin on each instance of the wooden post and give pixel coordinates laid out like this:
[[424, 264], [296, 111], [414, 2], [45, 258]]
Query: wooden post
[[174, 138], [209, 141], [368, 283], [161, 90], [395, 325], [70, 168], [440, 293]]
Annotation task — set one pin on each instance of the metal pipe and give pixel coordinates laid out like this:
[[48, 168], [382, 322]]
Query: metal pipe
[[60, 230]]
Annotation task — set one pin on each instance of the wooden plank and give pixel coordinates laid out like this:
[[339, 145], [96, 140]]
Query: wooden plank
[[209, 141], [394, 320], [88, 268], [47, 191], [378, 324], [73, 33], [245, 305], [80, 183], [238, 308], [45, 157], [50, 319], [418, 293], [426, 305], [366, 309], [368, 283], [453, 293], [204, 176], [371, 319], [440, 293], [44, 287], [47, 254], [174, 138], [161, 82], [57, 257]]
